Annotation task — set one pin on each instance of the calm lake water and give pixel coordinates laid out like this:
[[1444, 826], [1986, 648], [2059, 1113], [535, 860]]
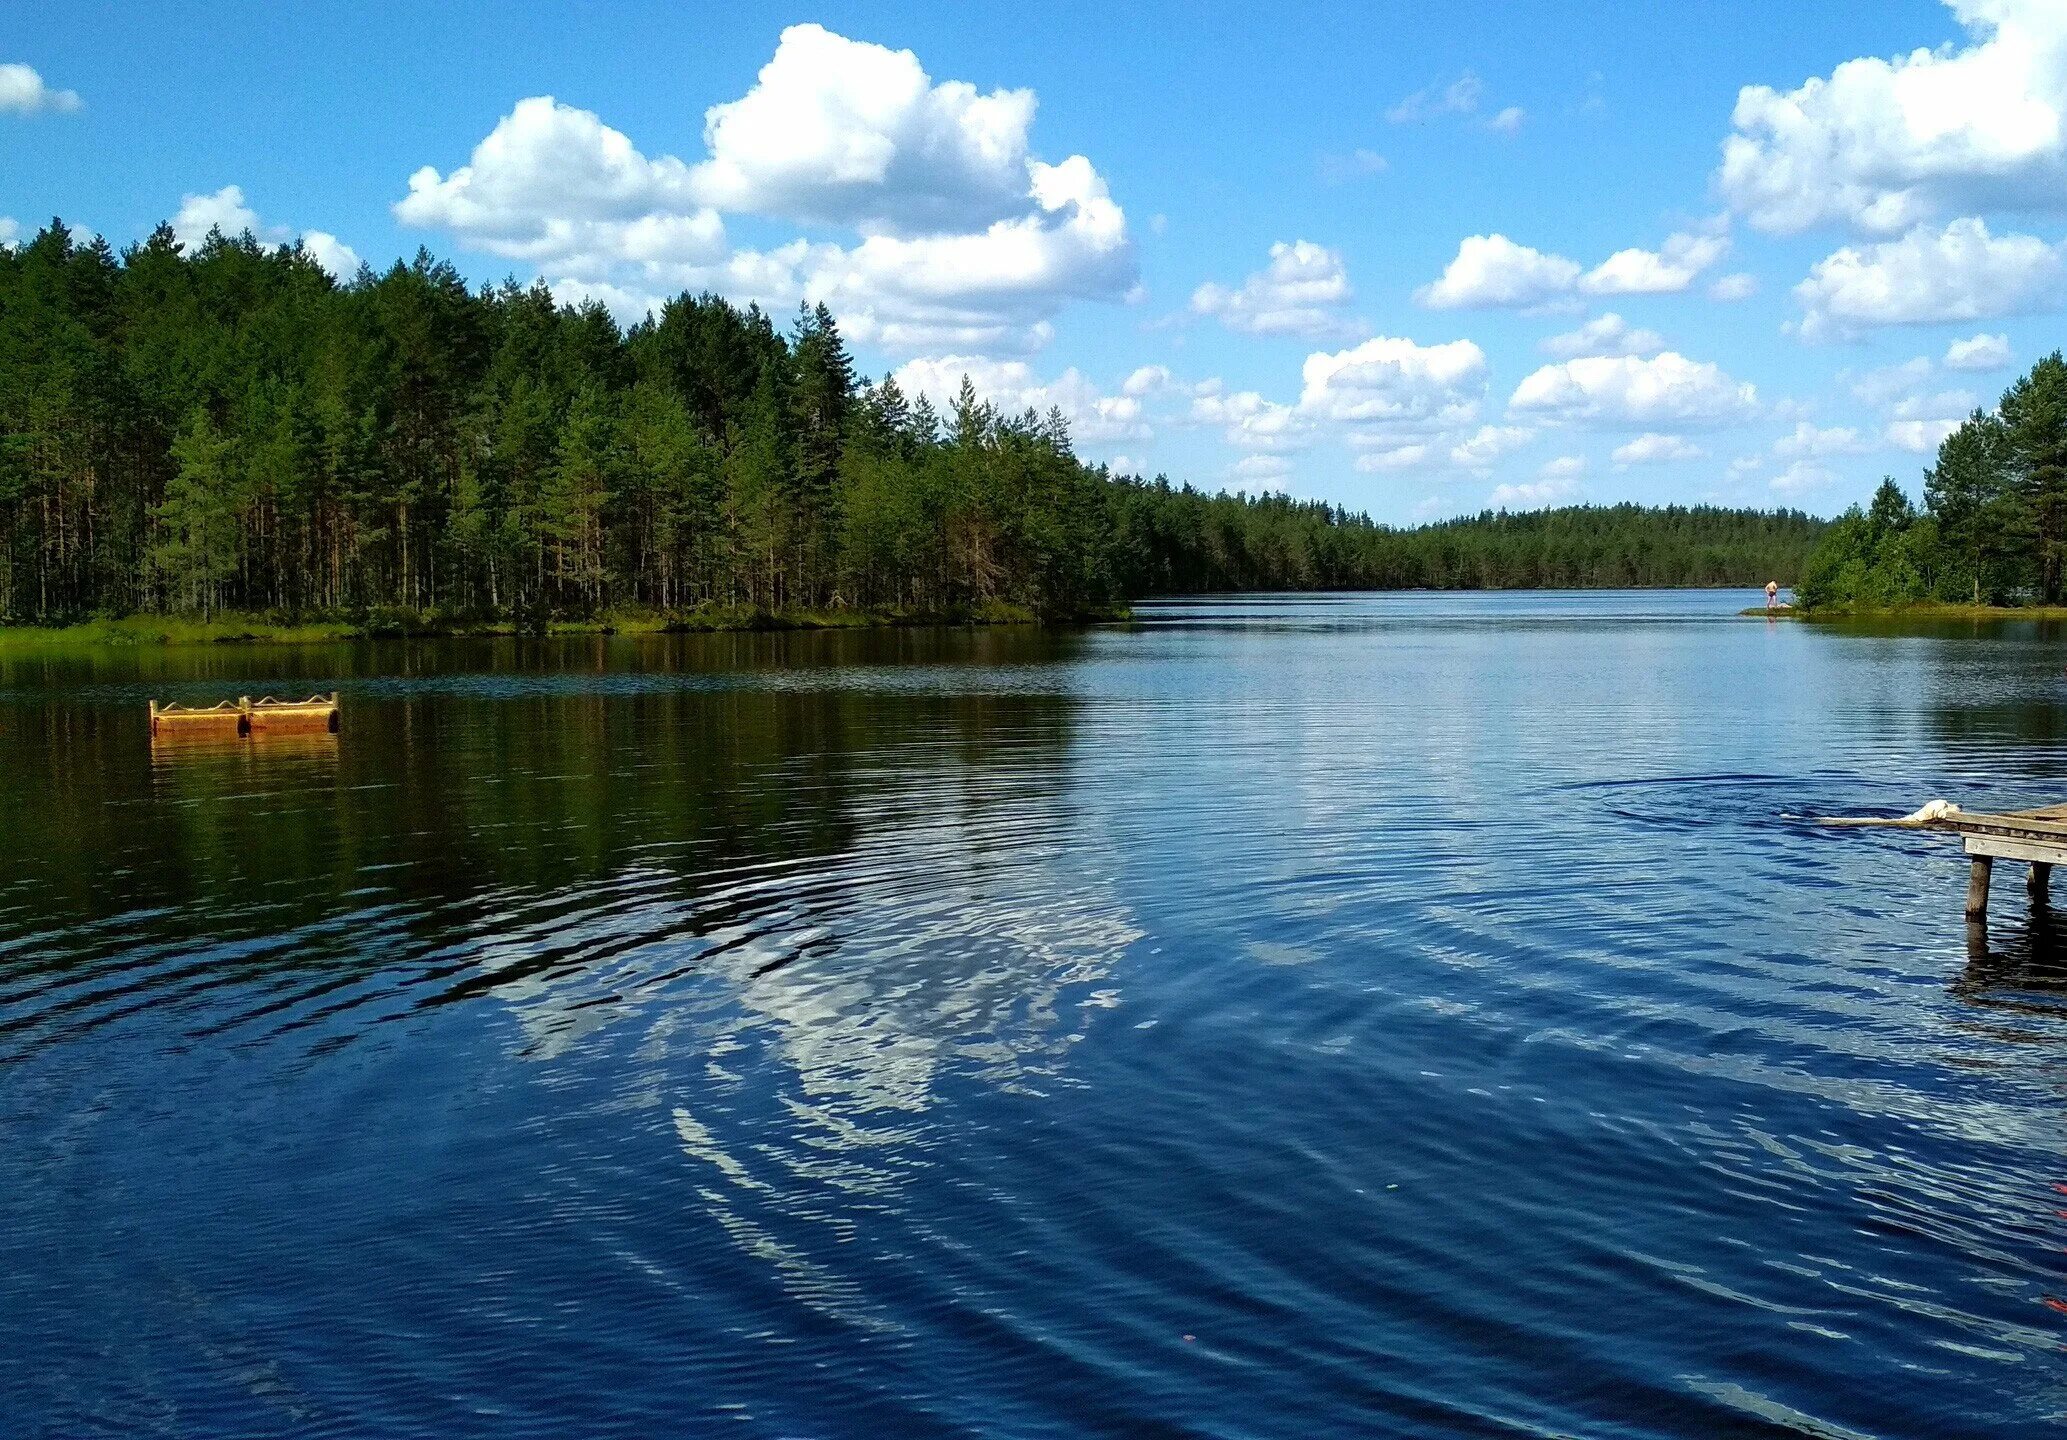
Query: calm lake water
[[1401, 1015]]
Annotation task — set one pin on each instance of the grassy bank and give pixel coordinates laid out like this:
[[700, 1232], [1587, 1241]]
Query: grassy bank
[[244, 629], [1930, 610]]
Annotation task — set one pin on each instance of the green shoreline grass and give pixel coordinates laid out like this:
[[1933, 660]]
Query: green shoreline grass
[[245, 629], [1927, 610]]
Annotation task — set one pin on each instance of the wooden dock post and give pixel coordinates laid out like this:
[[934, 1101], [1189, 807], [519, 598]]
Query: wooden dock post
[[2037, 838]]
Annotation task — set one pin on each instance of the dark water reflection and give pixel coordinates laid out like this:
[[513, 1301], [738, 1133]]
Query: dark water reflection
[[1402, 1015]]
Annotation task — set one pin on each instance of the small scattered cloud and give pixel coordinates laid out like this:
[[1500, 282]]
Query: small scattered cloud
[[1920, 437], [1607, 334], [10, 232], [1508, 121], [1731, 288], [1146, 380], [1396, 457], [1801, 478], [1302, 291], [1807, 441], [1654, 448], [1533, 495], [1457, 97], [1261, 472], [1356, 165], [23, 92], [1564, 467], [1981, 352]]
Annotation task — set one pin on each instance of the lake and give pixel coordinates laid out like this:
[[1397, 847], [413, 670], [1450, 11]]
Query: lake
[[1412, 1015]]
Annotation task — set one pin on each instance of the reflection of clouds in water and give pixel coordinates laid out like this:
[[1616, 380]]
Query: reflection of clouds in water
[[800, 1020]]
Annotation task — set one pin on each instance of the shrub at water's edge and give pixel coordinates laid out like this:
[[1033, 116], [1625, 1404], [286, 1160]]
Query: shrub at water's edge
[[1993, 530]]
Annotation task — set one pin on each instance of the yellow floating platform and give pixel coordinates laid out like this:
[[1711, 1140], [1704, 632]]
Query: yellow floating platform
[[245, 716]]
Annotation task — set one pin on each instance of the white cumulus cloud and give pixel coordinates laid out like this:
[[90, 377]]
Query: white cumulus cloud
[[1563, 467], [223, 210], [1300, 292], [340, 259], [1635, 391], [1928, 276], [22, 92], [555, 185], [228, 211], [1248, 421], [1479, 450], [961, 239], [843, 132], [1669, 269], [1920, 437], [1095, 418], [1729, 288], [1396, 383], [10, 231], [1491, 270], [1883, 144]]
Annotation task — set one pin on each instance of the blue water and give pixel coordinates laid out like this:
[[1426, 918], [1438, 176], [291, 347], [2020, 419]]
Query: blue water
[[1396, 1015]]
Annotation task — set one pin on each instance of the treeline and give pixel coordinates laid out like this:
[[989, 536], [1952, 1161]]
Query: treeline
[[1993, 530], [1182, 541], [232, 429]]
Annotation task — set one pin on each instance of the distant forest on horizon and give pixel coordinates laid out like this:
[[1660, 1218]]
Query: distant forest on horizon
[[236, 430]]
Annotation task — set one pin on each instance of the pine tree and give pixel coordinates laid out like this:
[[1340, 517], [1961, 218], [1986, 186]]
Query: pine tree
[[196, 549]]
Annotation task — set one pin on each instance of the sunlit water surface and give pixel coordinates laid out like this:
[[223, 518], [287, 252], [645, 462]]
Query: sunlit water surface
[[1402, 1015]]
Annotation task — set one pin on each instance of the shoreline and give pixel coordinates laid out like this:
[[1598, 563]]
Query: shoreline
[[1926, 610], [153, 631]]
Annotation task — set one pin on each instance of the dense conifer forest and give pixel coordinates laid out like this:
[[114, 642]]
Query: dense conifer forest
[[1993, 530], [234, 430]]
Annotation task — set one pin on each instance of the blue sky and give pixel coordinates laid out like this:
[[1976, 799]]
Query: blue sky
[[1414, 259]]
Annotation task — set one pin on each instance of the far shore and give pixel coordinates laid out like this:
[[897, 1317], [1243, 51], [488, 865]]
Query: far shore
[[249, 629]]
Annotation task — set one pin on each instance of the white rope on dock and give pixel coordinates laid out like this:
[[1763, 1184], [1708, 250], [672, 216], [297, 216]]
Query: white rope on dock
[[1932, 813]]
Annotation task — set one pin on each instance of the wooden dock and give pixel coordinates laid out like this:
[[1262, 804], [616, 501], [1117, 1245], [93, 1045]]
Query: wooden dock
[[2038, 838], [245, 716]]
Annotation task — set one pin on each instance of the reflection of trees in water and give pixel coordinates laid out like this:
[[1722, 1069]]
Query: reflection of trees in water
[[785, 904], [948, 920]]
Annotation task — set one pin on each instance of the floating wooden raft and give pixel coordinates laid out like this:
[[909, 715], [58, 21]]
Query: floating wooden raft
[[245, 715], [2036, 837]]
